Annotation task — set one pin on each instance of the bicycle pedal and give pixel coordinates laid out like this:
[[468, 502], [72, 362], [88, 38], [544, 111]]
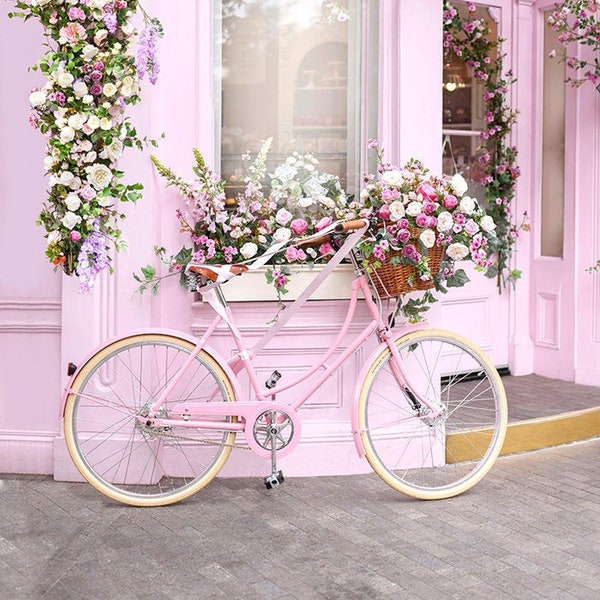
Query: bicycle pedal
[[274, 480]]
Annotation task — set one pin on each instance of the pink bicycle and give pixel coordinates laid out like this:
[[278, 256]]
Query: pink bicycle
[[151, 418]]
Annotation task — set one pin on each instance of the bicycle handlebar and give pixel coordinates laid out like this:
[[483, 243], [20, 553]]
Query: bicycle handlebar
[[351, 225]]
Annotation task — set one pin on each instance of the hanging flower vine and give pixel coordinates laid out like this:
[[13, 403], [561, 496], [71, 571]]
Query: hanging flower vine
[[91, 77], [469, 38], [578, 22]]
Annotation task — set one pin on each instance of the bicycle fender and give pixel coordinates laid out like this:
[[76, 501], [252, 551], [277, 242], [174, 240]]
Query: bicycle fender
[[368, 364], [171, 332]]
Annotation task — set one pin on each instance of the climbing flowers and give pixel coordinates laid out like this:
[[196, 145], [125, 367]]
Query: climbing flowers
[[91, 76], [578, 22]]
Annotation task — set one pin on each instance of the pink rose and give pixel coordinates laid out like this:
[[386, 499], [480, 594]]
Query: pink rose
[[292, 254], [426, 191], [450, 201], [326, 248], [429, 207], [299, 226], [324, 222], [421, 220], [384, 212]]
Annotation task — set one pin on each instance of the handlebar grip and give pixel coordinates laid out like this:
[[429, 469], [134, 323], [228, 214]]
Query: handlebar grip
[[351, 225]]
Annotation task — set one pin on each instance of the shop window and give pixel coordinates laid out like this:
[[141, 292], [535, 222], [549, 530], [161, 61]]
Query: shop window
[[463, 110], [291, 73], [553, 147]]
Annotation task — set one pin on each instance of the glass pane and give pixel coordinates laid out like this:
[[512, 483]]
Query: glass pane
[[553, 147], [291, 73], [463, 111]]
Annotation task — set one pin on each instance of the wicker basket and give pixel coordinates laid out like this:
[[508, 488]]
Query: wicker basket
[[392, 280]]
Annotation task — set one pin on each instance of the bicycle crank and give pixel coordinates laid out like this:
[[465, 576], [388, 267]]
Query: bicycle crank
[[273, 430]]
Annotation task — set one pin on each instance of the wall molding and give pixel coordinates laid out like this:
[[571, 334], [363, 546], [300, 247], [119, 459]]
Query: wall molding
[[23, 315], [26, 452]]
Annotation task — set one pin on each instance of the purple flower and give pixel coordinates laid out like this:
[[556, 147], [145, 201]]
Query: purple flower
[[421, 220], [410, 252], [146, 60], [96, 89], [403, 235], [92, 258]]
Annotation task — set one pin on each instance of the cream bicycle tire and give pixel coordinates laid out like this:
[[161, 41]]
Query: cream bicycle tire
[[430, 458], [115, 452]]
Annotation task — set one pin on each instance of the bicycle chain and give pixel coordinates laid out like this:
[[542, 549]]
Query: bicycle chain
[[207, 442]]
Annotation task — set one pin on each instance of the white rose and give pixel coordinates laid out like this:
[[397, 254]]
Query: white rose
[[99, 176], [75, 184], [89, 52], [444, 221], [114, 151], [93, 122], [457, 251], [67, 134], [37, 98], [392, 178], [487, 224], [458, 184], [49, 162], [110, 89], [414, 208], [128, 29], [64, 79], [105, 124], [80, 89], [70, 220], [428, 238], [305, 202], [54, 237], [87, 99], [76, 121], [282, 234], [90, 157], [248, 250], [100, 36], [106, 201], [396, 210], [467, 205], [66, 178], [72, 202]]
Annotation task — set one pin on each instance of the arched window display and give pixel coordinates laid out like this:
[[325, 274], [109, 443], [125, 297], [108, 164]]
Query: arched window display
[[291, 70]]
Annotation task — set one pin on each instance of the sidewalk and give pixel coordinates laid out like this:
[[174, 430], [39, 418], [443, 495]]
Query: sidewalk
[[529, 530]]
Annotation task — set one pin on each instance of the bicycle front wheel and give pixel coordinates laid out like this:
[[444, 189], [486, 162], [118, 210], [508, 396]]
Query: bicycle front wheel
[[441, 450], [121, 455]]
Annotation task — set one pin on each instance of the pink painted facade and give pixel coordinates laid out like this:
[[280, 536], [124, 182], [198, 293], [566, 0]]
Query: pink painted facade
[[549, 324]]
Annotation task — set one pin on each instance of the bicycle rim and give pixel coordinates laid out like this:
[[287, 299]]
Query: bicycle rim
[[113, 448], [415, 451]]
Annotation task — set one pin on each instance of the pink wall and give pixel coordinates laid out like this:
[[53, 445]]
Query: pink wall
[[44, 322]]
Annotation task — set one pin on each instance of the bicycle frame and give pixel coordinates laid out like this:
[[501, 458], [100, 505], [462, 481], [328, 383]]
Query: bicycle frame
[[205, 415]]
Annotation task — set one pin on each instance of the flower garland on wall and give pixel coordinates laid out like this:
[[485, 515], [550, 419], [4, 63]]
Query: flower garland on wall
[[578, 22], [469, 38], [91, 75]]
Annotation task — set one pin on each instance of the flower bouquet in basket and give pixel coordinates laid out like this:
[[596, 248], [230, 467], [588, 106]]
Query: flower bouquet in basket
[[424, 225]]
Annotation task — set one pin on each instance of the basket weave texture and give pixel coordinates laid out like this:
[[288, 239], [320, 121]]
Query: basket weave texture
[[392, 280]]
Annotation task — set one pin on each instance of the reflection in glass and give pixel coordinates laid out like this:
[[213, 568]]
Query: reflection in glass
[[290, 74], [463, 113]]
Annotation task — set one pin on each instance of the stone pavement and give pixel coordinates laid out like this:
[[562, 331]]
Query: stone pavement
[[529, 530]]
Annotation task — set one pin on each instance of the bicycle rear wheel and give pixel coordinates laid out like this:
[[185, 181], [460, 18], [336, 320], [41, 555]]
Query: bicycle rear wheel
[[415, 452], [121, 456]]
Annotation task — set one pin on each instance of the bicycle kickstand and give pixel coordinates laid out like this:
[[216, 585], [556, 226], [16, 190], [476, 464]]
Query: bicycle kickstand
[[275, 479]]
